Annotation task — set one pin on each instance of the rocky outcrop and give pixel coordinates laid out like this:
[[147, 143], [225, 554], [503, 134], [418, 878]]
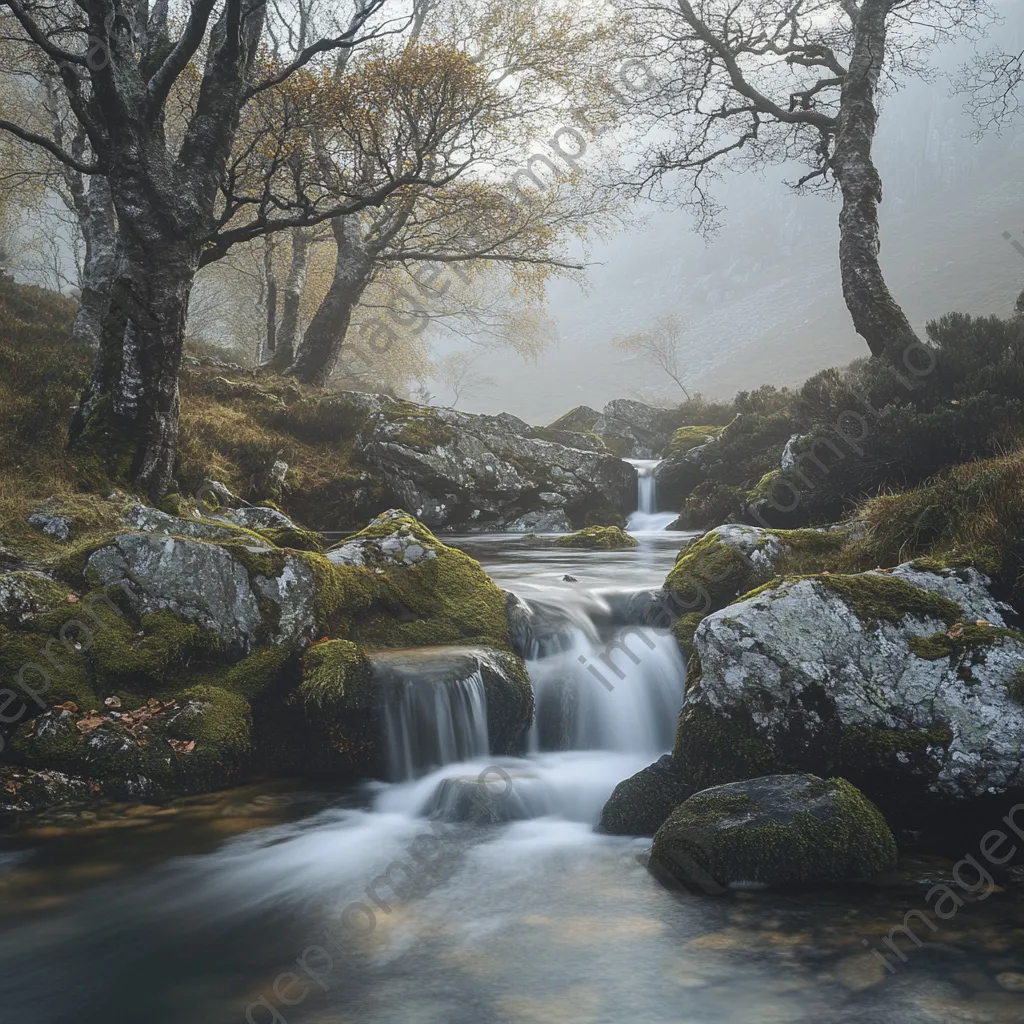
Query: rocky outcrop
[[461, 471], [640, 804], [633, 430], [783, 830], [540, 522], [245, 596], [907, 682]]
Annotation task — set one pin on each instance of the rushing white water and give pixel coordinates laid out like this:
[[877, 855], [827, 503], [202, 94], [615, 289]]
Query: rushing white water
[[647, 518], [433, 722]]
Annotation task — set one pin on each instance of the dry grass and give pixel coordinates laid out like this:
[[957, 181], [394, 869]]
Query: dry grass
[[971, 513]]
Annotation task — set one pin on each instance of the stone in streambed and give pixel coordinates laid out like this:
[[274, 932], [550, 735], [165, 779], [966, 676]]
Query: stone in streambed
[[781, 830]]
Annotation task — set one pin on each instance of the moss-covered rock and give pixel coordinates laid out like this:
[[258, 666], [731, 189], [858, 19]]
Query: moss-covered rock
[[414, 590], [582, 418], [640, 804], [897, 688], [598, 538], [26, 593], [685, 439], [199, 740], [781, 830]]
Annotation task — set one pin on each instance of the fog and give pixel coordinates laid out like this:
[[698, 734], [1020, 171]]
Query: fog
[[762, 298]]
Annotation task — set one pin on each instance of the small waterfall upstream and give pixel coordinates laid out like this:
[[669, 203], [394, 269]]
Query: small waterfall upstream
[[647, 518]]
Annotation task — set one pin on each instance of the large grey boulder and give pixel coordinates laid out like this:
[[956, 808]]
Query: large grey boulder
[[243, 598], [462, 471], [783, 830], [906, 682], [634, 430]]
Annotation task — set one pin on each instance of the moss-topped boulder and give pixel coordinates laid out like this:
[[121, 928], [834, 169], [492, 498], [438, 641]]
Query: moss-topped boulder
[[782, 830], [465, 471], [685, 439], [734, 559], [582, 418], [417, 590], [640, 804], [903, 690], [598, 538]]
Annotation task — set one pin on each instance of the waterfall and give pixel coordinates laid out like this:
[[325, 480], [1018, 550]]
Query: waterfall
[[599, 682], [647, 518], [434, 709]]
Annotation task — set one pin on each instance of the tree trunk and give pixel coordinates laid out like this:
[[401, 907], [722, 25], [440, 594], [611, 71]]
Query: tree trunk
[[271, 282], [126, 426], [294, 286], [321, 345], [877, 317], [96, 220]]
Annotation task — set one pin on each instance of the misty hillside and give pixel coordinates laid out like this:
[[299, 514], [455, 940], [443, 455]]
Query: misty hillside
[[763, 297]]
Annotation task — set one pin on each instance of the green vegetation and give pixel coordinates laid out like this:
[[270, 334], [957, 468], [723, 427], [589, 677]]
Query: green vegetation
[[598, 538], [874, 597], [687, 438]]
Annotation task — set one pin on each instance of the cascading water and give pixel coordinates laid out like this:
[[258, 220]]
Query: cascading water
[[646, 518], [434, 711]]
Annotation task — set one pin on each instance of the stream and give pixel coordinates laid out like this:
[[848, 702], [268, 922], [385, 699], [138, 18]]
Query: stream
[[269, 903]]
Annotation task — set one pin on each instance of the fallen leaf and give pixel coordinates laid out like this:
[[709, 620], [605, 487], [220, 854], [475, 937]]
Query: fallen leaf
[[72, 599], [68, 705], [955, 631]]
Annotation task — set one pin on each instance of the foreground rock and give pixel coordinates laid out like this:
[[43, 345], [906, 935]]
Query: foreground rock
[[911, 690], [782, 830], [157, 663], [639, 805], [462, 471]]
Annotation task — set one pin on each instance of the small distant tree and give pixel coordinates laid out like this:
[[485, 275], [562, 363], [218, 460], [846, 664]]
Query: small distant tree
[[458, 374], [659, 344]]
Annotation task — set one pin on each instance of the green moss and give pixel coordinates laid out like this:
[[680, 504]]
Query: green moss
[[419, 426], [708, 575], [600, 538], [33, 594], [876, 597], [687, 438], [733, 840], [714, 747], [46, 665], [336, 674], [510, 702], [968, 640], [294, 537], [257, 673], [684, 629]]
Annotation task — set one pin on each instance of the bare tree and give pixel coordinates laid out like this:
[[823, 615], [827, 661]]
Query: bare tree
[[747, 83], [457, 372], [660, 345]]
